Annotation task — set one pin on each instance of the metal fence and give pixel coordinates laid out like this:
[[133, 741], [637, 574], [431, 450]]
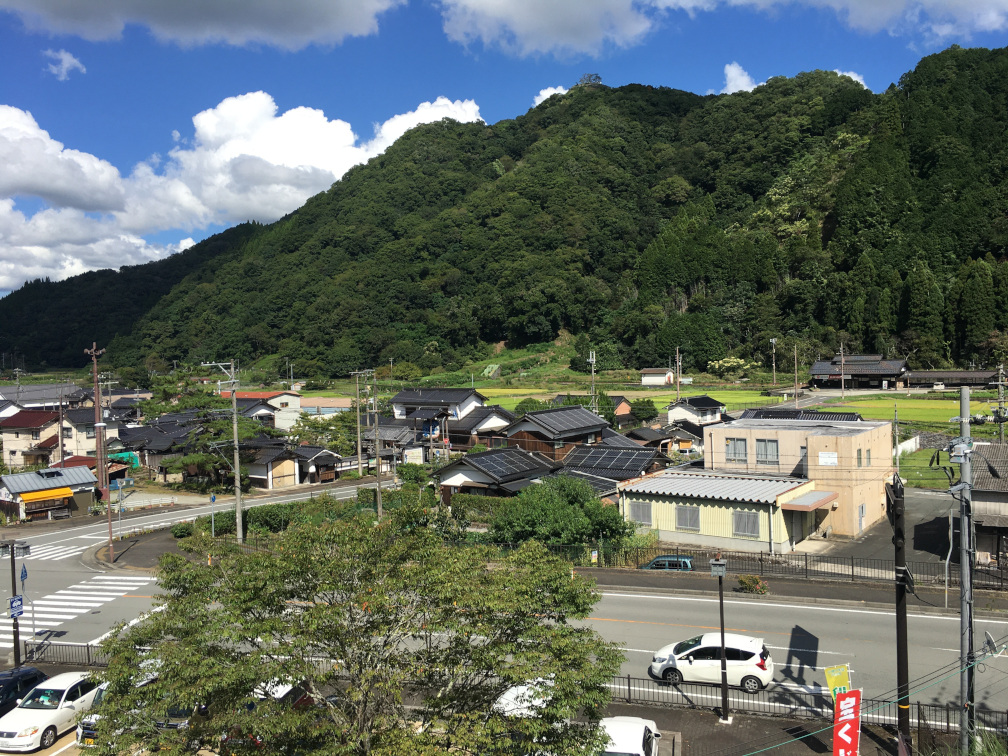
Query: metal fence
[[73, 654], [776, 701], [764, 564]]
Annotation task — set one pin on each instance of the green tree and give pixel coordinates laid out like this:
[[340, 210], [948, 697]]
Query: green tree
[[644, 409], [412, 640], [560, 510]]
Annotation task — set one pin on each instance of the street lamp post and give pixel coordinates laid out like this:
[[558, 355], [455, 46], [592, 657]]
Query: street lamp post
[[15, 549], [718, 568]]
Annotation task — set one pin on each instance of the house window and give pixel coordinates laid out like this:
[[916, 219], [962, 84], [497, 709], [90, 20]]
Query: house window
[[68, 433], [867, 457], [735, 450], [36, 435], [17, 434], [640, 511], [745, 524], [687, 518], [89, 432], [859, 458], [282, 406], [766, 452]]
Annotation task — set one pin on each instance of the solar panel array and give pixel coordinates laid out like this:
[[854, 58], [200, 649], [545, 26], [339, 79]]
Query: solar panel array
[[506, 464], [610, 459]]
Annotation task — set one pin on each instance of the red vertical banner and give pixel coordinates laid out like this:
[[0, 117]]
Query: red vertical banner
[[847, 723]]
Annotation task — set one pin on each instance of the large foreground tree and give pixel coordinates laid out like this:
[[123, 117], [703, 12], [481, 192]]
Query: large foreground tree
[[402, 643]]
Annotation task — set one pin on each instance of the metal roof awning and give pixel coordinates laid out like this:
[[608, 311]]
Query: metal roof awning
[[810, 501], [51, 493]]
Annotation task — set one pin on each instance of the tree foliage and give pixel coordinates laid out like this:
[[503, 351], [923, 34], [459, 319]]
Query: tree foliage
[[562, 510], [402, 643]]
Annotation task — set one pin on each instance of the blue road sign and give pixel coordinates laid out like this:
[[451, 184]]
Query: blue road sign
[[16, 606], [24, 572], [213, 498]]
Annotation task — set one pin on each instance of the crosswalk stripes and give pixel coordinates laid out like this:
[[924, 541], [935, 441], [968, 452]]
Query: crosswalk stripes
[[54, 609]]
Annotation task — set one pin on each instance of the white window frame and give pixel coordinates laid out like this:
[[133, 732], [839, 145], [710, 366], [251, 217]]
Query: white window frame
[[639, 512], [742, 522], [686, 516], [763, 458], [731, 451]]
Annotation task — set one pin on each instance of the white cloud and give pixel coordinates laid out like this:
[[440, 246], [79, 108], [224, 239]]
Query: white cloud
[[292, 24], [853, 75], [63, 64], [36, 165], [545, 94], [737, 80], [522, 27], [244, 161]]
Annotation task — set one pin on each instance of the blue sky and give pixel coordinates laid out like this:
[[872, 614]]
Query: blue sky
[[130, 129]]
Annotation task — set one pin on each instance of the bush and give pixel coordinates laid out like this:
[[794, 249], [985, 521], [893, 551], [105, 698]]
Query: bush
[[476, 508], [752, 584], [350, 475], [182, 529]]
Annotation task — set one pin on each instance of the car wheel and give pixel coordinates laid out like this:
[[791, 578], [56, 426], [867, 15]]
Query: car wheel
[[751, 685], [672, 675], [48, 737]]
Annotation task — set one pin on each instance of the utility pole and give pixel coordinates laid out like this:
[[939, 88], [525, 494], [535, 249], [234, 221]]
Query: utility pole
[[232, 375], [773, 348], [678, 373], [100, 466], [796, 375], [1001, 403], [904, 580], [842, 371], [961, 453], [377, 447], [591, 361], [360, 464]]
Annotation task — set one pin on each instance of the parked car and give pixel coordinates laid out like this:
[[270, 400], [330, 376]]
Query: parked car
[[670, 562], [14, 683], [87, 728], [698, 659], [46, 712], [630, 736]]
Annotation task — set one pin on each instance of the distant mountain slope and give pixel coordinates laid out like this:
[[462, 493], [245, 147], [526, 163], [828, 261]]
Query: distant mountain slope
[[808, 210]]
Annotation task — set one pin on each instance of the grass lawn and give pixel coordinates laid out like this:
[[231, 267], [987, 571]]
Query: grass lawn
[[733, 399], [915, 471]]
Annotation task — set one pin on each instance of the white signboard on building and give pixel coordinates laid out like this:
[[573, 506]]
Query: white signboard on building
[[828, 459]]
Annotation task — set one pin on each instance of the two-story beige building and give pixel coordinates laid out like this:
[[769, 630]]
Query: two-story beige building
[[851, 458], [30, 438]]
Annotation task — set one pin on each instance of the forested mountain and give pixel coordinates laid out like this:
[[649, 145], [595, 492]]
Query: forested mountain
[[640, 219]]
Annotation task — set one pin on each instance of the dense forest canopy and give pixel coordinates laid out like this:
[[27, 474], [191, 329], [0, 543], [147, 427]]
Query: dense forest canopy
[[640, 219]]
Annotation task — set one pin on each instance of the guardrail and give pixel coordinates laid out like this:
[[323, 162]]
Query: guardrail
[[61, 652], [796, 565], [788, 702]]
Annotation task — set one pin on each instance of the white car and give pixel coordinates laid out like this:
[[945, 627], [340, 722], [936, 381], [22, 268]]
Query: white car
[[698, 659], [630, 736], [46, 712]]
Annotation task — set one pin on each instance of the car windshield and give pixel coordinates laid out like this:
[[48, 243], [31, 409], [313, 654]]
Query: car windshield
[[98, 697], [43, 698], [683, 646]]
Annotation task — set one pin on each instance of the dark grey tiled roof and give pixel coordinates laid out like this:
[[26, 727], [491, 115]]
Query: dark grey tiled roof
[[506, 465], [990, 470], [858, 364], [564, 422], [433, 397], [613, 439]]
